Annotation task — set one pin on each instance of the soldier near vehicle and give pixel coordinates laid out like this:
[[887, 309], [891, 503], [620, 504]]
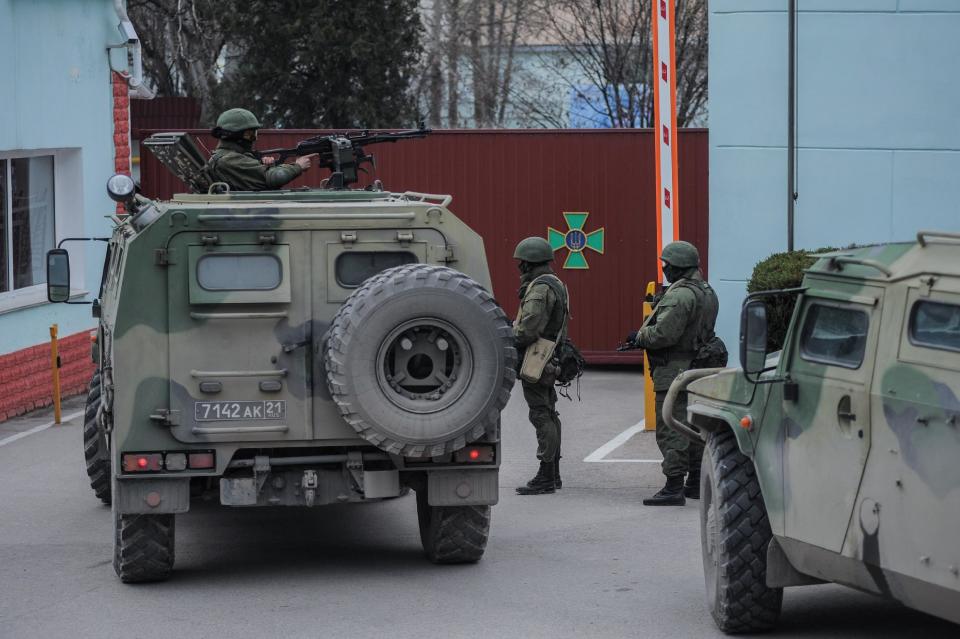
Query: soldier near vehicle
[[540, 325], [236, 163], [681, 323]]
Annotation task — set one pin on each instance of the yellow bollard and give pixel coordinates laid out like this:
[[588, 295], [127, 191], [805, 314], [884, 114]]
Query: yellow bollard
[[649, 399], [55, 366]]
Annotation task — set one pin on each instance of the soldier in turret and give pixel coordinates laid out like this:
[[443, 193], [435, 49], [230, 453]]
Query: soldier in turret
[[544, 311], [237, 164], [681, 322]]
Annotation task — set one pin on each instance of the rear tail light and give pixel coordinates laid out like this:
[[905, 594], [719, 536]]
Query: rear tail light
[[142, 462], [156, 462], [477, 454], [201, 460]]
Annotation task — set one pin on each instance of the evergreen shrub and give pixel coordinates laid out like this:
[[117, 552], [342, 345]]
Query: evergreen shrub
[[780, 271]]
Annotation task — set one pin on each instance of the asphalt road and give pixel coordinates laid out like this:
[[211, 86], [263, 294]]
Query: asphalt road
[[590, 561]]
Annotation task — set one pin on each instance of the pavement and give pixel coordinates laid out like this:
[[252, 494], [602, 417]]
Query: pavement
[[589, 561]]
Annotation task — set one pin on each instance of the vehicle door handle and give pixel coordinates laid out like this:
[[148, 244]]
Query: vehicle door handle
[[843, 410], [289, 348]]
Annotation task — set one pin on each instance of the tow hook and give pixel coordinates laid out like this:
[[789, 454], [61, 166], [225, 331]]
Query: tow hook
[[309, 485]]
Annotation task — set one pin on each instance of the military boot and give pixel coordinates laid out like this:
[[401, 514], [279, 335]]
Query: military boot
[[541, 484], [669, 495], [539, 477], [556, 473], [691, 490]]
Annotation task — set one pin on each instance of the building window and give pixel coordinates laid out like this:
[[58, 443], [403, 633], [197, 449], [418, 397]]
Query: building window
[[26, 220]]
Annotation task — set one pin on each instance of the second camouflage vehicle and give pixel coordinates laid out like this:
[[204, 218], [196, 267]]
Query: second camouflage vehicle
[[292, 348], [837, 459]]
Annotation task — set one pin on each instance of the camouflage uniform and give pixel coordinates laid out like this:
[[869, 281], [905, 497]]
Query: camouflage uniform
[[236, 164], [541, 315], [682, 320], [670, 339]]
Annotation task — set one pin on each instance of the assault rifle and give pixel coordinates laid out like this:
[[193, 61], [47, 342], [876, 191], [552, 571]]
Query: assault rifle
[[343, 153]]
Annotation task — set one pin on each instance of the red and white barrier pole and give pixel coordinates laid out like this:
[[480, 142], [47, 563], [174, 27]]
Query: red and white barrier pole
[[665, 115]]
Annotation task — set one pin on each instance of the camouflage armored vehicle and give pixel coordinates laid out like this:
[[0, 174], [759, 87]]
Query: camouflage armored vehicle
[[292, 348], [837, 459]]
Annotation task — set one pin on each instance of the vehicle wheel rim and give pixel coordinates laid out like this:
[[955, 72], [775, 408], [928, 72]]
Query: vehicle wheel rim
[[424, 365]]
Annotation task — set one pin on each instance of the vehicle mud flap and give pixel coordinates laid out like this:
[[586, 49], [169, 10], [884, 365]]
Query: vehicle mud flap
[[152, 496], [463, 488]]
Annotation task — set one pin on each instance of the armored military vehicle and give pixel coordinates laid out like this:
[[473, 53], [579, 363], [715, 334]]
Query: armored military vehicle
[[837, 459], [292, 348]]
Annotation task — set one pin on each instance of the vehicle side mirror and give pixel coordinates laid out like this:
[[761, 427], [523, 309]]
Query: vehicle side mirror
[[753, 337], [58, 275]]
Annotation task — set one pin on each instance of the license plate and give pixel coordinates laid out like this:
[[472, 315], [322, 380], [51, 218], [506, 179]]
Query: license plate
[[239, 411]]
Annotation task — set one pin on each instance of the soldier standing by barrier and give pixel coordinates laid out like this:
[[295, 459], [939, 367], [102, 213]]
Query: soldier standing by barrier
[[681, 323], [544, 311], [238, 165]]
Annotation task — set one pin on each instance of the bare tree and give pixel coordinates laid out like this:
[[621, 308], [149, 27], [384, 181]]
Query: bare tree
[[183, 41], [469, 53], [600, 53]]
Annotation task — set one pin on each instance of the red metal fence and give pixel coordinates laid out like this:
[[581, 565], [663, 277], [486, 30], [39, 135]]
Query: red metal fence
[[509, 184]]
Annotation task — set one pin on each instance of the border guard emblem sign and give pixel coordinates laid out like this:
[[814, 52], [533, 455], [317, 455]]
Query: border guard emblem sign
[[576, 240]]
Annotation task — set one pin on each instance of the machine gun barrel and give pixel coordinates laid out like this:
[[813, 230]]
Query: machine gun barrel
[[324, 144]]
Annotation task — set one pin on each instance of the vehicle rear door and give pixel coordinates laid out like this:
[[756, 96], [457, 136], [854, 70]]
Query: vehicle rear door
[[240, 336]]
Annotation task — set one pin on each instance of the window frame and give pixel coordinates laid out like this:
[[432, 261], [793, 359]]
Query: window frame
[[340, 256], [208, 256], [279, 295], [914, 308], [803, 336], [67, 181]]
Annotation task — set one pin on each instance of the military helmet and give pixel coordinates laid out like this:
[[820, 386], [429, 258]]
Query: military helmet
[[534, 249], [236, 120], [681, 254]]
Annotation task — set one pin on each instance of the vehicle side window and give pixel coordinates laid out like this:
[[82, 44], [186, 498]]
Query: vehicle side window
[[239, 272], [936, 325], [354, 267], [834, 335]]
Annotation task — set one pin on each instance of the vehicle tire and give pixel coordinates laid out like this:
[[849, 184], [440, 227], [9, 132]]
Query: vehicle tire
[[735, 533], [143, 548], [96, 450], [452, 534], [420, 360]]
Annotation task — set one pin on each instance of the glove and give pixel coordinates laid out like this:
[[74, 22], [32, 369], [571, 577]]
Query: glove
[[632, 337]]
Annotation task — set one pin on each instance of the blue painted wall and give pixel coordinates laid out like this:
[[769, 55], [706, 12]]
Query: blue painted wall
[[57, 95], [878, 129]]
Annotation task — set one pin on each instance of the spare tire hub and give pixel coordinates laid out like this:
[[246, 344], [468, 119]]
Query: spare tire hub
[[424, 365]]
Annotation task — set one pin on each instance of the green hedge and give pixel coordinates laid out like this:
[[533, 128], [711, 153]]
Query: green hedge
[[779, 271]]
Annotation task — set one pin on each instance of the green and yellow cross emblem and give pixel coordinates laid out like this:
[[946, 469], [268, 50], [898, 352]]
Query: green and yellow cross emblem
[[575, 240]]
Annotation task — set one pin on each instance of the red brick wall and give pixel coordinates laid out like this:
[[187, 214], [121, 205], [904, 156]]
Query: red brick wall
[[121, 128], [27, 380]]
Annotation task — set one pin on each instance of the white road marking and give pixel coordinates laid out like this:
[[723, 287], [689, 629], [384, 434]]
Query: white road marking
[[36, 429], [600, 454]]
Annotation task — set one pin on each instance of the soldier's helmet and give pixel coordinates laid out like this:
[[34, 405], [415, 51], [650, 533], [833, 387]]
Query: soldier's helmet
[[681, 254], [236, 120], [534, 249]]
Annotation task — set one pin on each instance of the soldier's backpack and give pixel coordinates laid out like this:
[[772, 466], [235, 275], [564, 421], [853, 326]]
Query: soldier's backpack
[[711, 351], [566, 356]]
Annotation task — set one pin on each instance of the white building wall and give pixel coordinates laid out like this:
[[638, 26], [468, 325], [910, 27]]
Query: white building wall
[[878, 129], [57, 100]]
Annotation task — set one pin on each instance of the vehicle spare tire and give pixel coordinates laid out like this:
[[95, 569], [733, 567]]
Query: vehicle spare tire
[[420, 360]]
